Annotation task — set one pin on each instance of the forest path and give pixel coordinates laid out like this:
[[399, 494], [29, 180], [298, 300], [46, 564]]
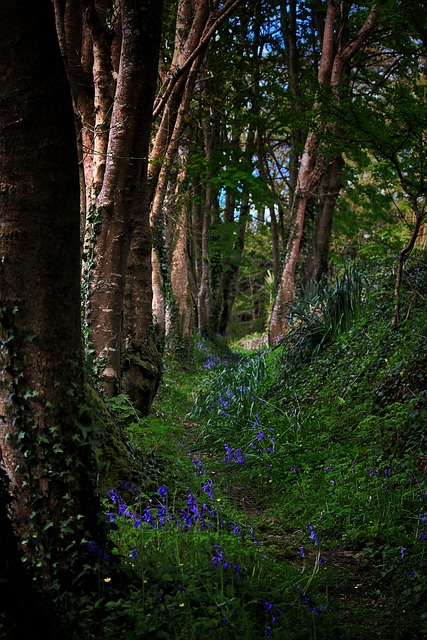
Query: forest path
[[355, 602]]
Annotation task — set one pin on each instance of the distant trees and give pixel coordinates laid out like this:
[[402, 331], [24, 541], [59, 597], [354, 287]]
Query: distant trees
[[321, 161]]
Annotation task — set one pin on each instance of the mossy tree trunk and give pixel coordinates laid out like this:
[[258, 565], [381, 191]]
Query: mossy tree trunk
[[45, 455]]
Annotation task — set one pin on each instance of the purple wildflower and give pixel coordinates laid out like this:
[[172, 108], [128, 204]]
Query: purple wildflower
[[208, 488], [163, 491], [313, 535]]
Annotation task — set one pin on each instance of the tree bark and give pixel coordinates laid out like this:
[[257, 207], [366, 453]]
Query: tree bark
[[44, 457], [126, 163], [333, 65], [317, 261], [181, 303]]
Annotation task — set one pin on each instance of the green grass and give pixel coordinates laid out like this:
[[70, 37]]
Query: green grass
[[285, 497]]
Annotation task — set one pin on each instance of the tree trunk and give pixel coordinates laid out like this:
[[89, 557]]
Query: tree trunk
[[332, 71], [181, 303], [403, 255], [126, 164], [45, 458], [141, 360], [317, 261]]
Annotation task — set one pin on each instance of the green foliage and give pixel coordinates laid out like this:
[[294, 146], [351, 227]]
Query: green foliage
[[323, 313], [339, 440], [330, 454]]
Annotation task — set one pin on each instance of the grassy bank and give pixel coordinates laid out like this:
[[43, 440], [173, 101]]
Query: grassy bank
[[285, 494]]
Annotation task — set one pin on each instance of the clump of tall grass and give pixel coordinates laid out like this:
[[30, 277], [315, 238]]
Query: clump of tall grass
[[231, 398], [323, 312]]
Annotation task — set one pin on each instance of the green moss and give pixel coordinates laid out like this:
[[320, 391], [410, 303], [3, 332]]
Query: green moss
[[116, 461]]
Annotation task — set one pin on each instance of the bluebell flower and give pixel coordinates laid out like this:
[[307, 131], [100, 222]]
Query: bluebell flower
[[328, 468], [218, 557], [267, 605], [238, 570], [236, 529], [293, 469], [402, 552], [161, 514], [223, 403], [313, 535], [163, 490], [233, 456], [146, 517], [192, 506], [114, 496], [186, 517], [302, 552], [199, 467], [208, 488], [309, 603]]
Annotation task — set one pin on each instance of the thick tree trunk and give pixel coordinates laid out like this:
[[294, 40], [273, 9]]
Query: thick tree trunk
[[141, 360], [44, 456], [118, 198], [112, 68]]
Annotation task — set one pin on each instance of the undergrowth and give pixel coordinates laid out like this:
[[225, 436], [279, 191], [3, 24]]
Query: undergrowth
[[330, 454]]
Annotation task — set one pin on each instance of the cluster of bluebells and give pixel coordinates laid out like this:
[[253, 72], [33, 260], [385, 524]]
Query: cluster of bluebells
[[158, 515], [233, 455], [219, 559], [273, 614], [313, 534], [211, 362], [195, 513], [309, 602], [264, 441], [374, 473]]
